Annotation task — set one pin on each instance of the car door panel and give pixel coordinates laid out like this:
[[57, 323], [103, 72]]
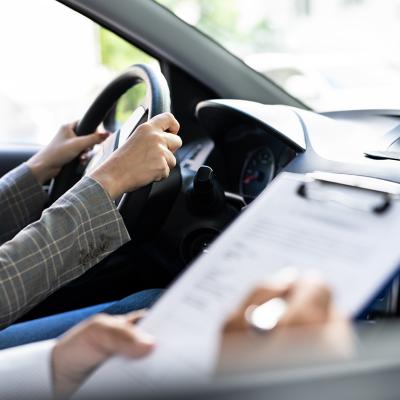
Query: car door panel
[[11, 157]]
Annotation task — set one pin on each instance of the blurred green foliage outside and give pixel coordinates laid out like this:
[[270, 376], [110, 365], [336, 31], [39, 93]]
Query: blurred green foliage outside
[[222, 21], [219, 19], [117, 54]]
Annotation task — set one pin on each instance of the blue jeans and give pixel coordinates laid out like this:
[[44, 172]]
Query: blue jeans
[[55, 325]]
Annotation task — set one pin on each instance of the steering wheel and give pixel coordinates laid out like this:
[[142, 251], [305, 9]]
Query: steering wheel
[[157, 101]]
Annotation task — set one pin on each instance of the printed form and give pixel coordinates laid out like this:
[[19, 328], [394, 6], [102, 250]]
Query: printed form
[[356, 252]]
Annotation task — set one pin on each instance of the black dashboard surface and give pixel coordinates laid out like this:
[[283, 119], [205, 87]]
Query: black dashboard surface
[[300, 141]]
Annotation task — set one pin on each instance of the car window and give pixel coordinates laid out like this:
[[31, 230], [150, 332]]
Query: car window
[[54, 62], [344, 52]]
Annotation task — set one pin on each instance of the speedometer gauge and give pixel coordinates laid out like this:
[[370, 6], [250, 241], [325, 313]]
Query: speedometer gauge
[[257, 172]]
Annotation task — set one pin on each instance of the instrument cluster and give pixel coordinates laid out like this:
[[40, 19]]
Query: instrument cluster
[[258, 171]]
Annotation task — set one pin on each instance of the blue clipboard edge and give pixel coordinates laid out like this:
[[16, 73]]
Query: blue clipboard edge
[[366, 183]]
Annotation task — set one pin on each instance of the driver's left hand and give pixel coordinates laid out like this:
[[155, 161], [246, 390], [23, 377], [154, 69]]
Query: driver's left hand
[[64, 147]]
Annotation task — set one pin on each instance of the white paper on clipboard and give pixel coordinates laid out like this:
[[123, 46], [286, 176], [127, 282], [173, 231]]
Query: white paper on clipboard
[[355, 250]]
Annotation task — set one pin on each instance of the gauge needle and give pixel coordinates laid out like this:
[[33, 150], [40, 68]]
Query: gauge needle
[[250, 178]]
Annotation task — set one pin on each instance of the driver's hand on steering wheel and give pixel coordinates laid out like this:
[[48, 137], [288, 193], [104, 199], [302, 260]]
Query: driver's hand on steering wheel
[[147, 156], [64, 147]]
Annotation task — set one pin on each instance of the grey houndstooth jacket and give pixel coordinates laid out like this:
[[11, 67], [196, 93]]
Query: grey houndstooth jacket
[[79, 230]]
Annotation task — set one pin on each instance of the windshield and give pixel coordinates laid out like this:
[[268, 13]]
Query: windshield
[[331, 54]]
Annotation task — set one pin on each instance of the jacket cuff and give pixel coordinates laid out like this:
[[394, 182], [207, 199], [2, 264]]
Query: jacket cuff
[[101, 226], [28, 192]]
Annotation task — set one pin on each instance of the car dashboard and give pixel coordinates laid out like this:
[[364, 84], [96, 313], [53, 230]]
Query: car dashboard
[[247, 159], [249, 143], [247, 148]]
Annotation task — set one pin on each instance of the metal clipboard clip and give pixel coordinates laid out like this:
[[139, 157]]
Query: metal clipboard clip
[[352, 191]]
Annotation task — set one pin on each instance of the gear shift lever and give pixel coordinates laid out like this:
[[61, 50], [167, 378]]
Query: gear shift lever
[[207, 196]]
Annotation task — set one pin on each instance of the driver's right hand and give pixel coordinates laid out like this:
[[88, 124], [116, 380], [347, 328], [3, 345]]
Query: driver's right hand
[[147, 156]]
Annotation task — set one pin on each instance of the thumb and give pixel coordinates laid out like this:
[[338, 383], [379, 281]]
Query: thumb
[[135, 316], [84, 142]]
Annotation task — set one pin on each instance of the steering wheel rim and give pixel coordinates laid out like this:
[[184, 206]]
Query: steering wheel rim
[[157, 96], [157, 101]]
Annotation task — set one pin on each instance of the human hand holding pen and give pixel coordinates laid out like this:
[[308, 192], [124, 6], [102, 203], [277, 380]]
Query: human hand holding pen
[[284, 323]]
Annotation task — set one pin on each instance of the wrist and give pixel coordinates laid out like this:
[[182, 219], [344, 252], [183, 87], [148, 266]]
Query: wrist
[[64, 381], [107, 182], [41, 171]]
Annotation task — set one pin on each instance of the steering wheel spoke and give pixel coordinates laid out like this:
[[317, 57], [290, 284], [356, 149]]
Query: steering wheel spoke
[[136, 118]]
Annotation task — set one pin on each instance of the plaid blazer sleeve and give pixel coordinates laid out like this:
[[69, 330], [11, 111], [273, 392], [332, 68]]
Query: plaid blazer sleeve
[[75, 233], [21, 201]]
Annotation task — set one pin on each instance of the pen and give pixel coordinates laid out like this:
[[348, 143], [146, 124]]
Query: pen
[[265, 317]]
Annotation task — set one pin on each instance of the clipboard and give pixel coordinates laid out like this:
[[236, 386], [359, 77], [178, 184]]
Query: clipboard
[[298, 220], [387, 191]]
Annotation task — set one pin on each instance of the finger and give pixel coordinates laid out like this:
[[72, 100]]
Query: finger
[[174, 142], [170, 158], [134, 342], [84, 142], [237, 321], [114, 336], [73, 125], [84, 159], [163, 170], [166, 122], [308, 303], [128, 341], [86, 153], [263, 293], [136, 316]]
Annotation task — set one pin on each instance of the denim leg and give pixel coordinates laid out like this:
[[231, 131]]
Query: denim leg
[[55, 325], [45, 328], [137, 301]]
